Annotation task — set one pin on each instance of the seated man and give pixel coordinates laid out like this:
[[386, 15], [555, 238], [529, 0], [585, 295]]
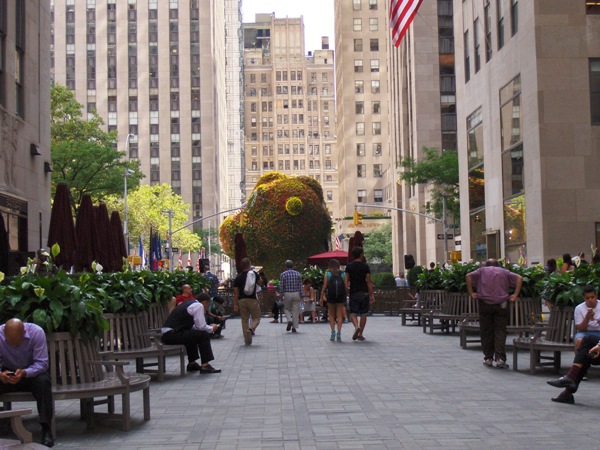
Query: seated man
[[186, 294], [24, 365], [186, 325], [586, 355], [587, 316], [216, 314]]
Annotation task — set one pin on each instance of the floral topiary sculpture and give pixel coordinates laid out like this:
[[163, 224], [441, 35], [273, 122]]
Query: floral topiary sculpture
[[285, 218]]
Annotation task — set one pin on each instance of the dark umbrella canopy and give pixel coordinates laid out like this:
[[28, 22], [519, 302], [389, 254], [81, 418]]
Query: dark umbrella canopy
[[4, 246], [119, 239], [322, 259], [106, 242], [62, 229], [240, 251], [85, 229]]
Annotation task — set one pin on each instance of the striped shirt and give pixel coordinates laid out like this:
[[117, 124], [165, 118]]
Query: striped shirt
[[290, 281]]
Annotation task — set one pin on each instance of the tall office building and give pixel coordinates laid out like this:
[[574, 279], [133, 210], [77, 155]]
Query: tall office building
[[24, 129], [233, 180], [528, 96], [155, 69], [362, 115], [289, 104], [423, 114]]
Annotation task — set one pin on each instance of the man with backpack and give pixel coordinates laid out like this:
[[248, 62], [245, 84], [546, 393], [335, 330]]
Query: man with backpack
[[245, 300], [334, 293], [290, 285], [359, 285]]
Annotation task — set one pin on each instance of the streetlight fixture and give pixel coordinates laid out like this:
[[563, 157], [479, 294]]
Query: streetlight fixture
[[126, 173]]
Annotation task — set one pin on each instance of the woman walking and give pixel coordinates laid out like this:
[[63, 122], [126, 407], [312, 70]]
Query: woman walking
[[334, 292]]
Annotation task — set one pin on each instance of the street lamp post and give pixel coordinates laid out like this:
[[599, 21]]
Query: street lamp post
[[126, 173]]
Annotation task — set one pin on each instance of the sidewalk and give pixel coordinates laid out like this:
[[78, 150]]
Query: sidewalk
[[399, 389]]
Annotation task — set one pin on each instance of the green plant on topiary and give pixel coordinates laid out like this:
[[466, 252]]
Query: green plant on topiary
[[316, 275], [293, 206], [413, 275]]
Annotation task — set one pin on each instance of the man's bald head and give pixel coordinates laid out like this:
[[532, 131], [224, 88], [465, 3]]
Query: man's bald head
[[186, 290], [14, 330]]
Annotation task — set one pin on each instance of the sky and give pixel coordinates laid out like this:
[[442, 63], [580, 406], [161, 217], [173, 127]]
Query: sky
[[318, 17]]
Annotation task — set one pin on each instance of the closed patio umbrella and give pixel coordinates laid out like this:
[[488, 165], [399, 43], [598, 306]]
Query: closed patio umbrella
[[119, 240], [85, 230], [4, 246], [105, 239], [62, 229]]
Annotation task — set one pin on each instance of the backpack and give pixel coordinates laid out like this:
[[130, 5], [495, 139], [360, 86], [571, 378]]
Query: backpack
[[250, 283], [336, 289]]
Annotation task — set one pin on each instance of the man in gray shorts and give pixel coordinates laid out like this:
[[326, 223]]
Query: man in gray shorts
[[359, 285]]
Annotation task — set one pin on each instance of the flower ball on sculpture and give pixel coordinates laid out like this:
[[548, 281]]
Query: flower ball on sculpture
[[285, 218]]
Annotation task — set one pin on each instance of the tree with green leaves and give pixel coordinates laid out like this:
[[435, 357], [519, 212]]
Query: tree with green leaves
[[209, 234], [84, 155], [440, 171], [378, 245], [145, 211]]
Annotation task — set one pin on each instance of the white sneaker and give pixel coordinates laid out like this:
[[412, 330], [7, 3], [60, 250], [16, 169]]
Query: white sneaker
[[501, 364], [488, 362]]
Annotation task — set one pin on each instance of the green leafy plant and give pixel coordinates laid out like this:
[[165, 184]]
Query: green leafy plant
[[385, 279], [413, 275], [454, 279], [566, 289], [430, 280]]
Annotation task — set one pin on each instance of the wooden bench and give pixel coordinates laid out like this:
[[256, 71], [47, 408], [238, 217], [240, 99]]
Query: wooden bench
[[555, 337], [453, 311], [128, 337], [522, 315], [157, 316], [77, 373], [427, 301], [16, 423]]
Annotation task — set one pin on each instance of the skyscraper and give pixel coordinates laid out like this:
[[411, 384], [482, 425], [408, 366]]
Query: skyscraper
[[289, 104]]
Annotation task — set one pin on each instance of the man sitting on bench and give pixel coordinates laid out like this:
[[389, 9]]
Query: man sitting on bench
[[24, 365]]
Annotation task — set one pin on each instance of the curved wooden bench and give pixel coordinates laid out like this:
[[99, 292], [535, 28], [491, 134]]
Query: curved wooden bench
[[522, 315], [454, 309], [427, 301], [16, 424], [128, 337], [77, 373], [556, 337]]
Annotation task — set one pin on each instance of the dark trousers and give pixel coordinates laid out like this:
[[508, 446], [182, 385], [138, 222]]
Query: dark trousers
[[493, 320], [277, 310], [194, 340], [41, 388], [583, 357]]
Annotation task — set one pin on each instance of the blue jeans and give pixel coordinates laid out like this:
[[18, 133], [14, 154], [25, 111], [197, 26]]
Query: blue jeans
[[582, 334]]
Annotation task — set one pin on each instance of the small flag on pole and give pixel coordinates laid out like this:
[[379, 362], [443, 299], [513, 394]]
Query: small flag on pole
[[338, 242], [189, 258], [402, 13], [180, 263]]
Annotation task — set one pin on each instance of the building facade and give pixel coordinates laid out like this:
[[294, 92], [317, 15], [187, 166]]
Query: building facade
[[422, 114], [289, 105], [362, 114], [25, 129], [528, 84], [155, 69]]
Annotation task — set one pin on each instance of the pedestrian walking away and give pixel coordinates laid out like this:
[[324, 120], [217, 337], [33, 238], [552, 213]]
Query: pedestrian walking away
[[334, 293], [290, 284], [493, 284], [360, 286], [245, 299]]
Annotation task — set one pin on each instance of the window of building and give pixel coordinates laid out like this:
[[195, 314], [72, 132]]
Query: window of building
[[377, 149], [361, 170], [328, 164], [253, 78], [376, 128], [359, 107], [595, 90], [376, 107], [361, 195], [284, 75], [500, 24], [358, 65], [374, 45], [374, 65], [358, 45], [360, 149], [329, 196], [278, 75], [592, 6], [514, 17], [357, 24], [467, 57], [360, 128], [359, 86], [374, 86], [356, 5], [377, 170], [373, 5], [476, 45], [378, 195], [373, 24]]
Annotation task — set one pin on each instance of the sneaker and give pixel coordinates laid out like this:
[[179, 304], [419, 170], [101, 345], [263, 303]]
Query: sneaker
[[332, 337], [193, 367], [501, 364], [339, 337], [356, 333], [488, 362], [289, 326]]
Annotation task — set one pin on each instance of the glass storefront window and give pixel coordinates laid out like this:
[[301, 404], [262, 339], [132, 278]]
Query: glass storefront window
[[512, 171], [515, 236], [477, 234]]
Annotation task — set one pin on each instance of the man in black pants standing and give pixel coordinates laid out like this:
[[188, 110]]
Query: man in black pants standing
[[587, 354], [186, 325]]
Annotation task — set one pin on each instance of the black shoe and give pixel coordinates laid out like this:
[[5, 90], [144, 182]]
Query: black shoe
[[193, 367], [289, 326], [564, 382], [565, 397], [47, 438], [294, 330], [209, 369], [356, 334]]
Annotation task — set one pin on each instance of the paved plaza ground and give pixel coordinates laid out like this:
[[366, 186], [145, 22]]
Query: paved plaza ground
[[400, 389]]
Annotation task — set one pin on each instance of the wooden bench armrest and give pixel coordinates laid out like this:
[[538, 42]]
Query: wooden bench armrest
[[118, 365]]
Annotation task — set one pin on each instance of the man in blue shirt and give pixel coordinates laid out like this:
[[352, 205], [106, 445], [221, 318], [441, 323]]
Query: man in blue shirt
[[24, 368], [290, 286]]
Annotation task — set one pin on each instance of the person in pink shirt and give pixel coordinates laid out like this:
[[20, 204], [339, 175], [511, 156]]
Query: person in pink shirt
[[493, 284]]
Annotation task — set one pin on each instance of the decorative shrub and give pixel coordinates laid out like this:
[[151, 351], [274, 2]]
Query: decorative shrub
[[293, 206], [413, 275], [430, 280], [454, 279], [385, 279]]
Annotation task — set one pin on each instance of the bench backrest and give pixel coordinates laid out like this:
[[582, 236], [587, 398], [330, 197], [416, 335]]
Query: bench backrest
[[524, 312], [125, 332], [561, 325], [157, 315], [458, 304], [433, 299], [68, 360]]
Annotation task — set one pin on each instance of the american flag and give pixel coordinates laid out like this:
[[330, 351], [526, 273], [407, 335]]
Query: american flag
[[338, 242], [402, 13], [180, 263]]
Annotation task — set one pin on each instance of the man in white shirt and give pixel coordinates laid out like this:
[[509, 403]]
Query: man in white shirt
[[186, 325], [587, 316]]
